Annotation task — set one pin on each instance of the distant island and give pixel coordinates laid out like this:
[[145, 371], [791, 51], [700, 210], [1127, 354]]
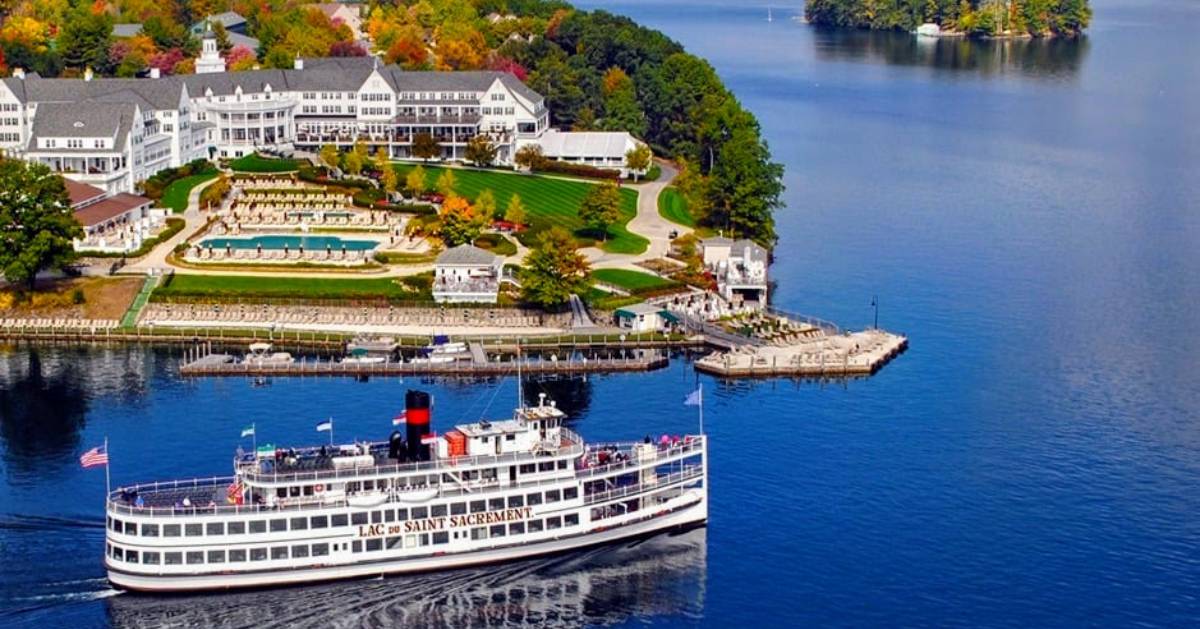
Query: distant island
[[977, 18]]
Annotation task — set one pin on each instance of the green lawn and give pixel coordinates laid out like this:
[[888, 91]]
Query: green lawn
[[497, 244], [176, 194], [547, 201], [631, 280], [255, 163], [673, 207], [224, 286]]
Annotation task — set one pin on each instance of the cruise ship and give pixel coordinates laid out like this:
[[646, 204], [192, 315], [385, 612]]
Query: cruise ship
[[480, 493]]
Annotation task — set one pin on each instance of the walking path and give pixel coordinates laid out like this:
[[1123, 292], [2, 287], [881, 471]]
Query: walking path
[[647, 223]]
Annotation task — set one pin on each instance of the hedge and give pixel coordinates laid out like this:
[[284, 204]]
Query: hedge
[[577, 170]]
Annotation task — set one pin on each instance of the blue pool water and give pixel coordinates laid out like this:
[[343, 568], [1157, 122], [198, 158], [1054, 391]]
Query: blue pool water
[[1028, 214], [310, 243]]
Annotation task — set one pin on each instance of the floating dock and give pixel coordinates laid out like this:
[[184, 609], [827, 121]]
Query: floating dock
[[857, 354]]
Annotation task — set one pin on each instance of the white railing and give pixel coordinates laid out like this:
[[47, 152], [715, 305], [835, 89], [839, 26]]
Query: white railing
[[661, 481]]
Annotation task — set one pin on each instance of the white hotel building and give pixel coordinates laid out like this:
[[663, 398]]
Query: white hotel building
[[113, 133]]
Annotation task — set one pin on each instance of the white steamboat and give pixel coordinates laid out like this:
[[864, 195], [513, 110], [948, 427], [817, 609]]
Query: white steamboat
[[481, 493]]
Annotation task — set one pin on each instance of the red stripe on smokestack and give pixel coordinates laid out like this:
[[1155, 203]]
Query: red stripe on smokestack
[[418, 416]]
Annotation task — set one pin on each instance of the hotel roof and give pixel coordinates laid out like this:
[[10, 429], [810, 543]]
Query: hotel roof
[[109, 209], [466, 255], [94, 120], [611, 144], [81, 193]]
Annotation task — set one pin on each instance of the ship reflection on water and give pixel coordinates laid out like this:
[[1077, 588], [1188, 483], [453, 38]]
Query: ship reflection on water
[[662, 575]]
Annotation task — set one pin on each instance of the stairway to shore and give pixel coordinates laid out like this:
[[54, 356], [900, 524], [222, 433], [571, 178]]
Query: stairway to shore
[[139, 302]]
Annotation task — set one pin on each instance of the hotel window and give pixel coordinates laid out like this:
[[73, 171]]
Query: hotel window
[[441, 538], [570, 493], [173, 559], [395, 542], [195, 557], [320, 522], [299, 551], [299, 524], [571, 519], [237, 555], [458, 508], [151, 558], [216, 556], [516, 528], [258, 554], [358, 518], [339, 519], [237, 528], [215, 528], [516, 501], [171, 530], [278, 525], [149, 530], [279, 552], [535, 526], [320, 550], [258, 526]]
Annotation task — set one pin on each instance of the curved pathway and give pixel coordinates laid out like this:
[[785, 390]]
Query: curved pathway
[[647, 223]]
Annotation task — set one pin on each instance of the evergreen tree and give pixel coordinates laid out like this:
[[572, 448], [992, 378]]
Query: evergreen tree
[[85, 39]]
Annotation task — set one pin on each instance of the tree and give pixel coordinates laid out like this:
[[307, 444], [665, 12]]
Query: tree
[[37, 225], [330, 156], [530, 157], [460, 222], [480, 151], [240, 59], [744, 187], [637, 160], [389, 179], [601, 207], [445, 183], [515, 212], [485, 204], [85, 39], [415, 181], [425, 146], [554, 270], [356, 158], [383, 162]]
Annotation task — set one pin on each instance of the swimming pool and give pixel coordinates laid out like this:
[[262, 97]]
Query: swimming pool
[[309, 243]]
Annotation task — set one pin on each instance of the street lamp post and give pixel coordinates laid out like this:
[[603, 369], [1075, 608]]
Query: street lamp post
[[875, 305]]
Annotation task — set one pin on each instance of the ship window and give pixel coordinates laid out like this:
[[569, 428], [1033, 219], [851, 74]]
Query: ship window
[[489, 474], [320, 522], [110, 522], [320, 550], [401, 514], [478, 506], [149, 530], [516, 501], [131, 556], [299, 524], [534, 499], [338, 519], [116, 553], [151, 558], [258, 526], [496, 530], [170, 530], [368, 485], [193, 530], [195, 556], [410, 541], [308, 490], [458, 508], [527, 468], [571, 519], [437, 510], [441, 538], [237, 555], [562, 465], [374, 544], [215, 528], [359, 518], [281, 492], [570, 493], [216, 556], [516, 528], [510, 437], [535, 526], [279, 552], [294, 491], [546, 466], [278, 525], [552, 496], [395, 542], [554, 523], [237, 528], [258, 554], [495, 504], [357, 546], [376, 517], [479, 533], [299, 551], [173, 559], [130, 528]]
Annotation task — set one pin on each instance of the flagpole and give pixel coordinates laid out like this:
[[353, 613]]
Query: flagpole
[[107, 482], [700, 388], [254, 438], [331, 431]]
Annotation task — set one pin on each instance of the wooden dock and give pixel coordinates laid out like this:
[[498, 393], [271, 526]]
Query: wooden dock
[[803, 362], [221, 365]]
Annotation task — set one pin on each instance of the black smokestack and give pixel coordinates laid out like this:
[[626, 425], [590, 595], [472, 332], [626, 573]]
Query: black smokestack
[[416, 411]]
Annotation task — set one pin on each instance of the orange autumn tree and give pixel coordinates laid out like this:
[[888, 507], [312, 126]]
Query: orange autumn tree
[[460, 222]]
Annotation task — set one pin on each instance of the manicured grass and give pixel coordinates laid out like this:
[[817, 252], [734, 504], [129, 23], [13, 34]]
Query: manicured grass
[[632, 281], [497, 244], [673, 207], [548, 202], [176, 194], [255, 163], [224, 286]]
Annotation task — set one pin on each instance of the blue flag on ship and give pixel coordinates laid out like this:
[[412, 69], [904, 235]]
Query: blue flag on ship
[[695, 398]]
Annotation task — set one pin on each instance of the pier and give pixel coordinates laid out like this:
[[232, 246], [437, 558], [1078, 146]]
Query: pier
[[856, 354], [227, 365]]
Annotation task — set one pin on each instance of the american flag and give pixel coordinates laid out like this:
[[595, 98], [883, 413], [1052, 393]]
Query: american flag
[[95, 457], [402, 418]]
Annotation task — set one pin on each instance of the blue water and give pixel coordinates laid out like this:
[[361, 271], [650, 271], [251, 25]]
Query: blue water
[[1028, 213], [309, 243]]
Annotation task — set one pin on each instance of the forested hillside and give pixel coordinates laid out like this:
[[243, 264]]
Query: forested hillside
[[984, 18]]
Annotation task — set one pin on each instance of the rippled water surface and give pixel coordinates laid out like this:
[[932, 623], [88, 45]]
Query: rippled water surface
[[1028, 212]]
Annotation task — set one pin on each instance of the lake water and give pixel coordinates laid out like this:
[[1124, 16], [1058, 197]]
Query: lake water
[[1028, 213]]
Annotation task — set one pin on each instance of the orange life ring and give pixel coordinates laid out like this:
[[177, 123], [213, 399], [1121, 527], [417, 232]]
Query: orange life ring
[[319, 488]]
